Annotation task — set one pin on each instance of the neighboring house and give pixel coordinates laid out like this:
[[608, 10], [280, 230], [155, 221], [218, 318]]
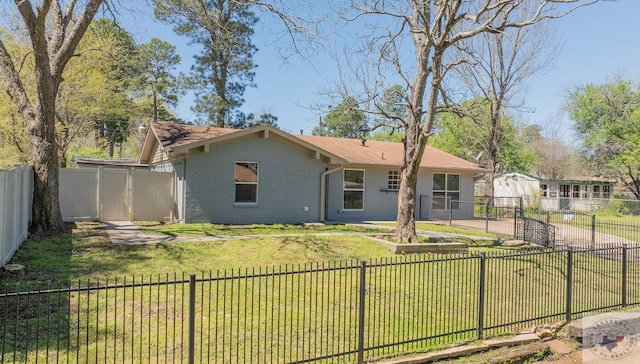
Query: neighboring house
[[575, 193], [265, 175]]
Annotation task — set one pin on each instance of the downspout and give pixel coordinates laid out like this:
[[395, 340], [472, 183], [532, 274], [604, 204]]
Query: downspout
[[183, 209], [323, 192]]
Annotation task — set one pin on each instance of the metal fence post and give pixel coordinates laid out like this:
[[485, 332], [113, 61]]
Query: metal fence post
[[486, 217], [515, 222], [569, 302], [624, 275], [548, 217], [593, 231], [192, 317], [363, 282], [481, 296], [521, 203]]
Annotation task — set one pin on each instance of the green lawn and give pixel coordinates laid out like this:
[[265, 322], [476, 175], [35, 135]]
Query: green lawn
[[442, 228], [253, 229], [256, 308], [87, 253]]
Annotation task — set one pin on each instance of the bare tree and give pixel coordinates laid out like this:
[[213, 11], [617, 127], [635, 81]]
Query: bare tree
[[499, 64], [413, 42], [54, 33], [555, 158]]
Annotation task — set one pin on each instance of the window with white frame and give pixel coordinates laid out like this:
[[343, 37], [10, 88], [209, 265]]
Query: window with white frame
[[393, 182], [576, 191], [543, 190], [353, 189], [596, 191], [606, 191], [246, 179], [446, 191]]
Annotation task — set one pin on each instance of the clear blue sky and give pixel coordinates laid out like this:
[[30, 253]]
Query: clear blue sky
[[597, 42]]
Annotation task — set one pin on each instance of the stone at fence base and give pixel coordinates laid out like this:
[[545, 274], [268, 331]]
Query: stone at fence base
[[14, 268], [559, 347], [545, 333]]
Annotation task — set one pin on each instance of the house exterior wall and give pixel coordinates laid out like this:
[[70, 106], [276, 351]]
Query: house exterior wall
[[158, 155], [516, 185], [177, 167], [288, 183], [466, 201], [378, 205], [520, 185], [382, 204]]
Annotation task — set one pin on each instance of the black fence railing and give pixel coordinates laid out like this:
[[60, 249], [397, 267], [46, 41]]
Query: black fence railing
[[580, 229], [548, 227], [344, 311], [534, 230]]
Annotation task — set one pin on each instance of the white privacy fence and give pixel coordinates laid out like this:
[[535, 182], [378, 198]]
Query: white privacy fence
[[116, 194], [85, 194], [16, 194]]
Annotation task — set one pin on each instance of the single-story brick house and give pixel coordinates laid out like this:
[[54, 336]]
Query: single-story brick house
[[265, 175], [572, 193]]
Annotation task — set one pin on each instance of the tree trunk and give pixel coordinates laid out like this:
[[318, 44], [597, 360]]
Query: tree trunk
[[495, 139], [417, 132], [406, 219], [155, 106], [414, 145], [52, 46], [46, 217]]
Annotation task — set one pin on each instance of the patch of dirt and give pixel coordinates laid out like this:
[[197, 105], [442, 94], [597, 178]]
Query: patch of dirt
[[574, 357]]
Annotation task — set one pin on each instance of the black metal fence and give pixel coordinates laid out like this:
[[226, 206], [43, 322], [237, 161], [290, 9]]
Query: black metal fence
[[535, 231], [558, 228], [344, 311], [579, 229]]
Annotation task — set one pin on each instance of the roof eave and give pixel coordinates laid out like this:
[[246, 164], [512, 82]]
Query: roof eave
[[147, 147], [264, 128]]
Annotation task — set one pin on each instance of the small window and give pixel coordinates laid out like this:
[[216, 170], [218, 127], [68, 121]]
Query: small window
[[543, 190], [393, 183], [606, 191], [246, 178], [576, 191], [596, 192], [353, 189]]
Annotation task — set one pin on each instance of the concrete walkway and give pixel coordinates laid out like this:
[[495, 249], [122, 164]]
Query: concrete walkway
[[126, 233]]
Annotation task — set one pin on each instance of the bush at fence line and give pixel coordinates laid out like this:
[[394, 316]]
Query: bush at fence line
[[533, 202], [620, 207]]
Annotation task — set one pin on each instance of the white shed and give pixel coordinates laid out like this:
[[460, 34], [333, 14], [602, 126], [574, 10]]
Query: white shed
[[575, 193]]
